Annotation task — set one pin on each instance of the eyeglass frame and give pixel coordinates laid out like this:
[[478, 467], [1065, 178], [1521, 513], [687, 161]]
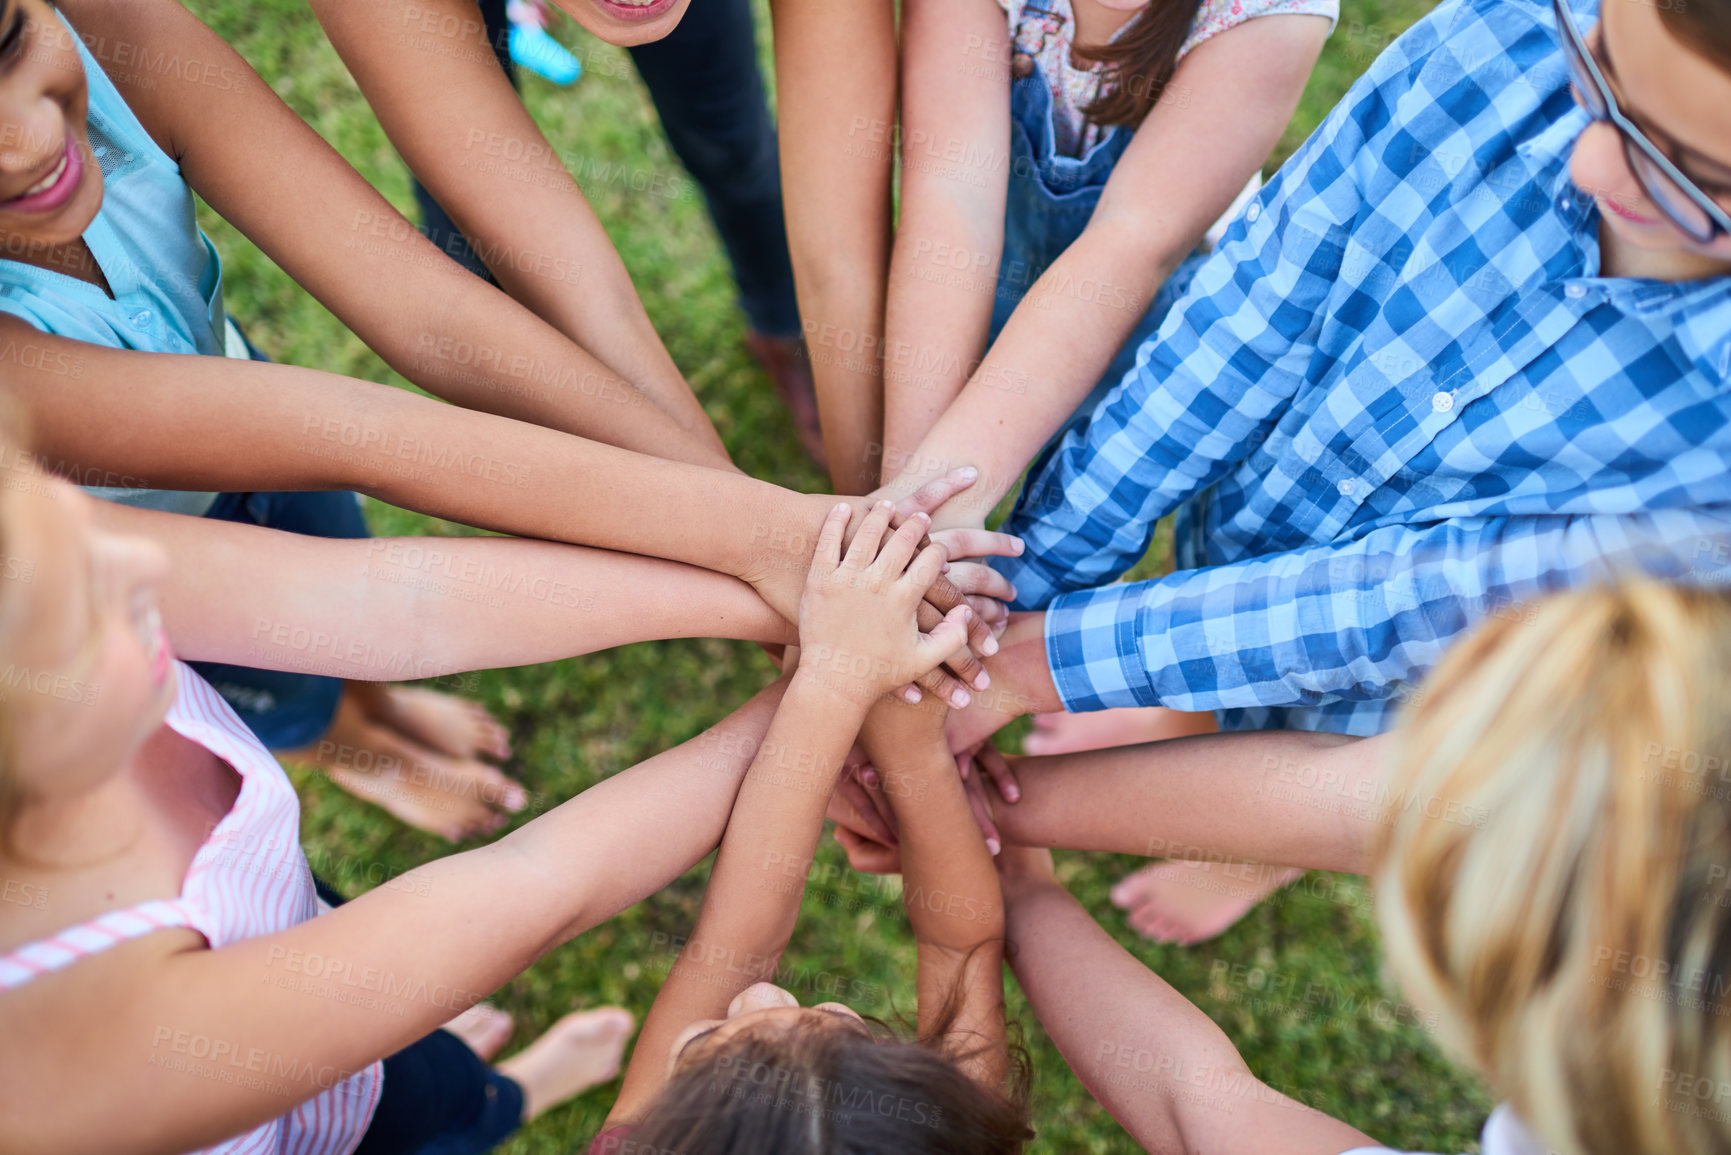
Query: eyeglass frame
[[1583, 64]]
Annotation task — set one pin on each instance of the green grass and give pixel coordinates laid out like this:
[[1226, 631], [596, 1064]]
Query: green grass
[[1298, 985]]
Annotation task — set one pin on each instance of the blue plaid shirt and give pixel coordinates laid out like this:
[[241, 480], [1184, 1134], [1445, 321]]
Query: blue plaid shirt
[[1400, 397]]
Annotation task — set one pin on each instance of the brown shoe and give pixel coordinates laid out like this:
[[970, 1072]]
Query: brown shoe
[[789, 369]]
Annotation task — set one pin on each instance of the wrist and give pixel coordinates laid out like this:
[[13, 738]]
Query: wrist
[[845, 701]]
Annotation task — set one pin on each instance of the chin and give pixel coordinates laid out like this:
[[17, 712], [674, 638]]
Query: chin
[[622, 27]]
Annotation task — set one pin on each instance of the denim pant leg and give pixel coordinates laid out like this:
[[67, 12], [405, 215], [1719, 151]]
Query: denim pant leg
[[436, 223], [705, 82]]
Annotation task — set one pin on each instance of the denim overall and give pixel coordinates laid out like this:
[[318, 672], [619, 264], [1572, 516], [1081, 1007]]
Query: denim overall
[[1050, 200]]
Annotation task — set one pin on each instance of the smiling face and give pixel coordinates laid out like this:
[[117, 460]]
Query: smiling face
[[761, 1006], [86, 675], [626, 22], [1682, 101], [49, 187]]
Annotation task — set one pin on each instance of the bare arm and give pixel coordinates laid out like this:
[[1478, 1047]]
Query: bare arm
[[1168, 1074], [297, 1011], [955, 174], [1224, 109], [418, 607], [835, 73], [949, 885], [269, 174], [1281, 797]]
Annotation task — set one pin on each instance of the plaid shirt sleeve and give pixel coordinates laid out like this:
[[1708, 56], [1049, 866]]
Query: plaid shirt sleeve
[[1347, 621], [1205, 390]]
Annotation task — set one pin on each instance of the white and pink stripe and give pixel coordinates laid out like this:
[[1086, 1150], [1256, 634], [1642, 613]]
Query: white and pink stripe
[[250, 878]]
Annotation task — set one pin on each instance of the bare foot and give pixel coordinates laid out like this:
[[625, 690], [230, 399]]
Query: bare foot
[[580, 1051], [484, 1027], [1191, 902], [1099, 729], [454, 798], [451, 725]]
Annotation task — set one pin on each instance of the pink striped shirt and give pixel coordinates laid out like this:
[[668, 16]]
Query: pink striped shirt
[[249, 878]]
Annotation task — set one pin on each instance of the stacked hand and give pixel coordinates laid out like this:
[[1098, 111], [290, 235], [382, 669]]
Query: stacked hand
[[866, 827]]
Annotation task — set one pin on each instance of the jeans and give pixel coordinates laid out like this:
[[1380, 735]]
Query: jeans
[[708, 91]]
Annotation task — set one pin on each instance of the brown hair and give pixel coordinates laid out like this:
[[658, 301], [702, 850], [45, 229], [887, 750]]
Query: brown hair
[[1702, 25], [1139, 63], [819, 1089], [1552, 869]]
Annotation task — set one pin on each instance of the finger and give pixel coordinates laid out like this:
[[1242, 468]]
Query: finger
[[849, 807], [971, 577], [828, 554], [949, 638], [893, 558], [994, 612], [864, 548], [866, 856], [965, 667], [983, 814], [932, 494], [967, 542], [926, 569], [1002, 773], [944, 595], [945, 688]]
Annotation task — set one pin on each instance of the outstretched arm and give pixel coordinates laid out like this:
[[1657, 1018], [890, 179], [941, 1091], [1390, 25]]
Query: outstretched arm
[[270, 175], [1192, 1092], [949, 885], [835, 78], [419, 607], [289, 1014]]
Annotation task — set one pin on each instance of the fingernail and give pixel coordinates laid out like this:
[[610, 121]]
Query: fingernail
[[969, 472], [990, 645], [994, 846], [1020, 546], [946, 568], [960, 699], [1015, 596], [967, 613], [983, 681], [922, 515], [840, 507], [886, 505], [1011, 793], [912, 694]]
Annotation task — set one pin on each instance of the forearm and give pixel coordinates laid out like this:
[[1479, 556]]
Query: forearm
[[387, 608], [1156, 1062], [276, 427], [1021, 684], [430, 75], [1053, 350], [1285, 798], [950, 236], [835, 71], [758, 881]]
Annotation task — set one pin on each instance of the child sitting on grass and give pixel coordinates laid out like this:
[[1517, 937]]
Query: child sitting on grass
[[729, 1064], [176, 986], [107, 282]]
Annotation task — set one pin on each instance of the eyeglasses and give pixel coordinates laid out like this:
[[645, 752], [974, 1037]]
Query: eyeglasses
[[1679, 198]]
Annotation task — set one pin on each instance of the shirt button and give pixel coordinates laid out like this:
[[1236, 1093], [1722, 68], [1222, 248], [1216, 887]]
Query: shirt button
[[1442, 402], [1254, 212], [1346, 487], [142, 319], [1574, 291]]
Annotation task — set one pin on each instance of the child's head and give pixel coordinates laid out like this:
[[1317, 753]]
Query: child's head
[[776, 1078], [626, 22], [86, 674], [49, 187], [1554, 873], [1669, 67]]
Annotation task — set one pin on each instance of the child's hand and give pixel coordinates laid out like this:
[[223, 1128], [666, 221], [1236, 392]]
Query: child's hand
[[857, 625]]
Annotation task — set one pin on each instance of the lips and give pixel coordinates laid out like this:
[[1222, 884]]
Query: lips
[[1610, 205], [635, 12], [55, 187]]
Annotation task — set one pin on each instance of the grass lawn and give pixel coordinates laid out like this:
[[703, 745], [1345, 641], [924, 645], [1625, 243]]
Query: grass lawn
[[1298, 985]]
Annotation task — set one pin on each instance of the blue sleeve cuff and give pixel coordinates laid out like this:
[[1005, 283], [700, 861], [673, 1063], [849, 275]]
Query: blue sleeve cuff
[[1094, 647]]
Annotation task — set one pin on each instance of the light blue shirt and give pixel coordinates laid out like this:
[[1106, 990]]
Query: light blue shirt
[[166, 276]]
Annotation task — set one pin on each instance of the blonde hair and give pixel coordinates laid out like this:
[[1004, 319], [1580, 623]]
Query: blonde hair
[[1569, 928]]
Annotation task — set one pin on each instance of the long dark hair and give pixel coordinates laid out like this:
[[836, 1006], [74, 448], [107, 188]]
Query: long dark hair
[[819, 1089], [1704, 25], [1140, 63]]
